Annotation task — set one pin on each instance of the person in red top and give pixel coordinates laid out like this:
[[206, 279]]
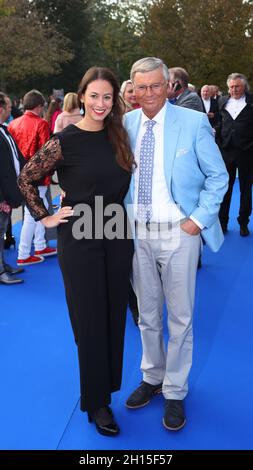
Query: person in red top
[[54, 109], [31, 132]]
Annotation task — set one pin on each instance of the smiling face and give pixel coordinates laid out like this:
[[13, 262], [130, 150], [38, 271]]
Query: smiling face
[[129, 95], [151, 91], [98, 102]]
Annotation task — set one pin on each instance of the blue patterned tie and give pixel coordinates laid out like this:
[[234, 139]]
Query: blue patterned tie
[[146, 173]]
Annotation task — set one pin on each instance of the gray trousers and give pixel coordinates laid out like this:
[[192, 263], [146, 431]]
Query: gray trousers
[[166, 271]]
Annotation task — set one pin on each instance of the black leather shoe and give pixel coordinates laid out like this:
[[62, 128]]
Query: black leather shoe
[[174, 417], [142, 395], [10, 270], [244, 231], [104, 421], [5, 278]]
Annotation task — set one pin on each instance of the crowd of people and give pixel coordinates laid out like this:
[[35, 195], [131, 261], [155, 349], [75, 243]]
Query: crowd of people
[[146, 173]]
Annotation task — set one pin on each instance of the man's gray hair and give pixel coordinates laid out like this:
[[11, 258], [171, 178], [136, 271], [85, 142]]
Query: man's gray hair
[[148, 64], [235, 76]]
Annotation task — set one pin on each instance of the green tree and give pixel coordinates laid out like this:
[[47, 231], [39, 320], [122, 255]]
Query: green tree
[[210, 38], [115, 34], [72, 20], [5, 10], [28, 47]]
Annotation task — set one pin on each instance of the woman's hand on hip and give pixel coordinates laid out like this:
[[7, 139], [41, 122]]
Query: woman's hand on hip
[[58, 218]]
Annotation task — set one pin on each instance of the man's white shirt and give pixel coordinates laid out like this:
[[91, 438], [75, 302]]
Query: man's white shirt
[[207, 104], [164, 209], [13, 150], [235, 106]]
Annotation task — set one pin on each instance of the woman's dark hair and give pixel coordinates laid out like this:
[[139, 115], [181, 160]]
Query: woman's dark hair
[[55, 105], [116, 131]]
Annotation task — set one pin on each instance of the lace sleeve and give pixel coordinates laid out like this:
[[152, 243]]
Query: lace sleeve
[[43, 163]]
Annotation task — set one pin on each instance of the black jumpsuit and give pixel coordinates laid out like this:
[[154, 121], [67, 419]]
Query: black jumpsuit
[[95, 271]]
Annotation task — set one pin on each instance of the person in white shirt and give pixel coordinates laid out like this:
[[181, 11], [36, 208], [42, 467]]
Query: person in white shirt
[[175, 194], [210, 105], [235, 139], [11, 162]]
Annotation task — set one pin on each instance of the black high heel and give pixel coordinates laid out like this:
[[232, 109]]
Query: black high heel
[[110, 429], [9, 241]]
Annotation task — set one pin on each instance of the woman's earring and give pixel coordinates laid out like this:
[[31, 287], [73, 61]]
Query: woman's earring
[[82, 110]]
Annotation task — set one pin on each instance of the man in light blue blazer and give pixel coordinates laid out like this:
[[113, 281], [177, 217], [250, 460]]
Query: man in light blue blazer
[[174, 196]]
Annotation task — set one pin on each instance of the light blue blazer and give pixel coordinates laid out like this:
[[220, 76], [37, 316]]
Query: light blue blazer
[[195, 173]]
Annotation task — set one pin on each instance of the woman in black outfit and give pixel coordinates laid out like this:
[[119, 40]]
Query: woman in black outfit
[[92, 158]]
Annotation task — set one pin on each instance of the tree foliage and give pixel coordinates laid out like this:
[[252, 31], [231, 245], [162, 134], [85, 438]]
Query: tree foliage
[[115, 34], [51, 43], [28, 48], [72, 20], [210, 38], [5, 10]]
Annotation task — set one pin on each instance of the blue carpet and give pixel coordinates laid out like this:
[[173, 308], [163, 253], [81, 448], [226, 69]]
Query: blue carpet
[[39, 373]]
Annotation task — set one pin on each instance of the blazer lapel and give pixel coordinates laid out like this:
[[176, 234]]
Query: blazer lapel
[[246, 108], [10, 153], [223, 102], [172, 130], [133, 121], [203, 106]]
